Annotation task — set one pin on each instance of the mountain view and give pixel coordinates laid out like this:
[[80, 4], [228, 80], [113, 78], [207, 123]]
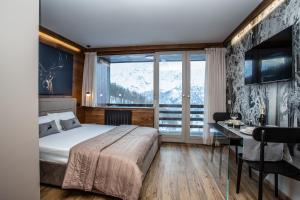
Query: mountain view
[[132, 83]]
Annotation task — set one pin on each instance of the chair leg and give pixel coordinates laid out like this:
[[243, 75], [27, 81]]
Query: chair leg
[[213, 145], [221, 159], [240, 167], [250, 172], [276, 184], [236, 154], [260, 185]]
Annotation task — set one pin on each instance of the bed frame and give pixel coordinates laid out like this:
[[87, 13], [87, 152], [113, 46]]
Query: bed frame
[[53, 173]]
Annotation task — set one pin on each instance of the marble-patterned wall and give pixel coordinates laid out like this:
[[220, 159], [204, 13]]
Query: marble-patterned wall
[[282, 99]]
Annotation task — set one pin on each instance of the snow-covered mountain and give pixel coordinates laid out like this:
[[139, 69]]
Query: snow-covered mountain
[[133, 76], [138, 78]]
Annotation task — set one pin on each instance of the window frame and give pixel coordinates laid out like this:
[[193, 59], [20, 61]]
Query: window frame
[[122, 105]]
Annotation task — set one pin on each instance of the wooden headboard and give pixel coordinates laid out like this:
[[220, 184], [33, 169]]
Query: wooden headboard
[[54, 105]]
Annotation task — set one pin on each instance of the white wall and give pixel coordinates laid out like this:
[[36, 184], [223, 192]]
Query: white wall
[[19, 169]]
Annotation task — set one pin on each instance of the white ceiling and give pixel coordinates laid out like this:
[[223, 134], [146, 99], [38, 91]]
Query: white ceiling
[[108, 23]]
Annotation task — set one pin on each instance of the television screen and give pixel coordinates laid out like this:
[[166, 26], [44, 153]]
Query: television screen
[[276, 64], [250, 68], [271, 60]]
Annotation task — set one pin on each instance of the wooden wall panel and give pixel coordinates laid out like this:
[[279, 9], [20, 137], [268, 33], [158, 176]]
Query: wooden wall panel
[[78, 62], [143, 117], [94, 115], [140, 116]]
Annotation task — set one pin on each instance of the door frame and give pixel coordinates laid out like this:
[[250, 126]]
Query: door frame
[[184, 137], [165, 138], [188, 138]]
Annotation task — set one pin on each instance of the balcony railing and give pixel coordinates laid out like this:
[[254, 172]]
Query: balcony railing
[[170, 118]]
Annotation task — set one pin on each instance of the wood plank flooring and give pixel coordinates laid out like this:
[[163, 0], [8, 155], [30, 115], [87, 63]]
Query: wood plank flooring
[[180, 172]]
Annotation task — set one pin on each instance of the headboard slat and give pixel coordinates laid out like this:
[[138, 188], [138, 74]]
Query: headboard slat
[[53, 105]]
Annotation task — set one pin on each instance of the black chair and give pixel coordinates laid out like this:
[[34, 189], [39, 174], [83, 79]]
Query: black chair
[[222, 116], [273, 135], [220, 139]]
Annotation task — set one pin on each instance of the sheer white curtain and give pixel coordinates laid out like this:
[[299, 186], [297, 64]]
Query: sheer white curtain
[[215, 87], [89, 83]]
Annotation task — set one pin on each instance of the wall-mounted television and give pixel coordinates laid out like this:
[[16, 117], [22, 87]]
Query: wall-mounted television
[[270, 61]]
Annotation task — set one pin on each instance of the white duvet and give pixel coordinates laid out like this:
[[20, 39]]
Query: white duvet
[[56, 147]]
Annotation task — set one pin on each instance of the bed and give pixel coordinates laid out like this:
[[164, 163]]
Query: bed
[[61, 155]]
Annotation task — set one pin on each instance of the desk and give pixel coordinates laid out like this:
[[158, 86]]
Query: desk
[[273, 151], [233, 138]]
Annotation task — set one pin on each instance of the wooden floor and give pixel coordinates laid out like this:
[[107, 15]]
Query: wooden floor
[[180, 172]]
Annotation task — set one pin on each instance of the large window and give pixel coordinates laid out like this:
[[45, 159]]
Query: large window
[[125, 80], [177, 95]]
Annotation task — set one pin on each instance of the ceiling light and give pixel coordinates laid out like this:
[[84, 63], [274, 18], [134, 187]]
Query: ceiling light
[[256, 20]]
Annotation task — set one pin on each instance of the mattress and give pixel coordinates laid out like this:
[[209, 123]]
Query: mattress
[[55, 148]]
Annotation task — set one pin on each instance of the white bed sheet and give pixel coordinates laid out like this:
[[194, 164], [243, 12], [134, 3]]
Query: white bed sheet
[[56, 148]]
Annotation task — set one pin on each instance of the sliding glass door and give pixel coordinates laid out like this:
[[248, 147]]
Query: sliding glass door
[[170, 94], [196, 81], [180, 96]]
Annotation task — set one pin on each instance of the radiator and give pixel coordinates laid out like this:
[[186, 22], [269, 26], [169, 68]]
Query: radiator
[[118, 117]]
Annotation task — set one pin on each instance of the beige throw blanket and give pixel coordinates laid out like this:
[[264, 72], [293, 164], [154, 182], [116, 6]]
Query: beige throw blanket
[[111, 162]]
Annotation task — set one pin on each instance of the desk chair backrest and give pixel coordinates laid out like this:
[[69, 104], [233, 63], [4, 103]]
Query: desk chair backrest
[[277, 134], [222, 116]]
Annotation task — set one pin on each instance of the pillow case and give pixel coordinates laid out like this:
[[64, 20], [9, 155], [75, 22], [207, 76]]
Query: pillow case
[[47, 128], [70, 124], [45, 119], [61, 116]]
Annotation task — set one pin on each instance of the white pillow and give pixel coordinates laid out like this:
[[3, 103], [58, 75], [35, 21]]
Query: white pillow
[[45, 119], [61, 116]]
